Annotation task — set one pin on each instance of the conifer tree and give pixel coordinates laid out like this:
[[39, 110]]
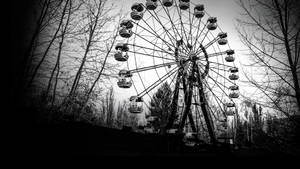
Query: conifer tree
[[159, 106]]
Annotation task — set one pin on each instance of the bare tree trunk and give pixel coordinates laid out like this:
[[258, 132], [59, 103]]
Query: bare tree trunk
[[50, 44], [41, 24], [93, 26], [55, 84], [30, 49], [284, 28], [25, 62], [272, 42], [103, 66], [59, 54]]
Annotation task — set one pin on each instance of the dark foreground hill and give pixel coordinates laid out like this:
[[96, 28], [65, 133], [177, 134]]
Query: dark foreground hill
[[78, 140]]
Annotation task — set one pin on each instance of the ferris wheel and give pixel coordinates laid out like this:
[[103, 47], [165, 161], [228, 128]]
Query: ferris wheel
[[178, 42]]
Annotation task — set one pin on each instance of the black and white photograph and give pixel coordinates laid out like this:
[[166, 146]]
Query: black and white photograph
[[155, 79]]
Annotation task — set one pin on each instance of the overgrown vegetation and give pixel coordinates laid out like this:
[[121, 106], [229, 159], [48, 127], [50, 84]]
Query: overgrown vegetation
[[269, 132]]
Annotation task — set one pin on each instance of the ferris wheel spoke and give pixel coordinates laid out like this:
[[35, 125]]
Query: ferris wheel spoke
[[175, 30], [155, 64], [224, 77], [211, 42], [151, 42], [183, 31], [209, 109], [171, 20], [142, 69], [175, 75], [156, 30], [154, 34], [151, 16], [168, 33], [199, 49], [217, 99], [160, 51], [154, 50], [136, 88], [154, 39], [150, 55], [212, 62], [217, 117], [213, 92], [162, 25], [191, 23], [163, 51], [197, 34], [213, 54], [214, 87], [158, 36], [158, 82], [219, 75], [163, 60], [135, 61], [218, 84], [217, 68]]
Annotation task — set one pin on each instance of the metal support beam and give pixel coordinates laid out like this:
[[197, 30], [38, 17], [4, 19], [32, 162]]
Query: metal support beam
[[190, 115], [174, 103], [206, 114], [188, 93]]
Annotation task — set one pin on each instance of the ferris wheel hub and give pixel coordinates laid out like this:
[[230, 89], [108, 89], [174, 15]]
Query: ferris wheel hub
[[193, 56]]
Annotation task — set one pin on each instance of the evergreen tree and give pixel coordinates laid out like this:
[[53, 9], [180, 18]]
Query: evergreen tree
[[159, 106]]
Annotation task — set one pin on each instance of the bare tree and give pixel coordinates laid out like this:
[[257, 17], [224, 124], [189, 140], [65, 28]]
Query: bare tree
[[47, 11], [270, 31], [49, 45], [71, 55], [65, 38], [109, 49], [80, 37], [99, 40], [93, 34], [57, 64]]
